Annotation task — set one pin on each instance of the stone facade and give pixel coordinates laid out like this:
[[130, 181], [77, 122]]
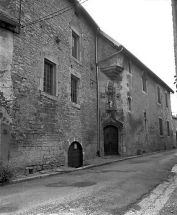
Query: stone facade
[[44, 126], [174, 118], [43, 121], [174, 14], [134, 111]]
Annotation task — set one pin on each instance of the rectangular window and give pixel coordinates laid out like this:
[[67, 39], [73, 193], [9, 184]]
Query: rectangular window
[[129, 66], [158, 95], [129, 103], [145, 119], [74, 89], [75, 45], [166, 99], [49, 76], [144, 82], [160, 126], [168, 128]]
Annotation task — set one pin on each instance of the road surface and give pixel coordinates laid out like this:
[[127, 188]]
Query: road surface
[[106, 190]]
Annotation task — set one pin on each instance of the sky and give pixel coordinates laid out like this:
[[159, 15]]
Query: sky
[[145, 28]]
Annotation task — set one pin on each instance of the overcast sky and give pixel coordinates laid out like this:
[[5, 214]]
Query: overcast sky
[[145, 28]]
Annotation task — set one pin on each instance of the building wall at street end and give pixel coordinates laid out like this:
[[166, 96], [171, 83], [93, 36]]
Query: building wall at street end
[[137, 110], [174, 118], [45, 125], [174, 17]]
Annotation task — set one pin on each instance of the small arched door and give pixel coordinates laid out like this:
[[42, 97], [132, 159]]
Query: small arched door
[[111, 140], [75, 155]]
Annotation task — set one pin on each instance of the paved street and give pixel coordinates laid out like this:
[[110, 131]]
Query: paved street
[[106, 190]]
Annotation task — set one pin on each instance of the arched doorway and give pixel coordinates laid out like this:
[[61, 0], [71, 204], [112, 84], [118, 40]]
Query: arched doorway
[[111, 140], [75, 155]]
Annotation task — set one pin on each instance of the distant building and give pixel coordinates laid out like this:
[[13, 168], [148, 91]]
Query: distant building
[[174, 118], [134, 103], [174, 14]]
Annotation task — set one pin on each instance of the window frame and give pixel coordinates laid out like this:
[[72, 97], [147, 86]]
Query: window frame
[[76, 38], [74, 92], [129, 102], [161, 133], [130, 66], [53, 87], [145, 118], [144, 84], [168, 128], [166, 99], [159, 95]]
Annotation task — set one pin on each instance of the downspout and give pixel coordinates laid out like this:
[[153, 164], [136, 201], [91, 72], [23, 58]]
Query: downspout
[[20, 11], [97, 80]]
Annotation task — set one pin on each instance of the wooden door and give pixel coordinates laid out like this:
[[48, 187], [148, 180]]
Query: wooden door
[[111, 140], [75, 155]]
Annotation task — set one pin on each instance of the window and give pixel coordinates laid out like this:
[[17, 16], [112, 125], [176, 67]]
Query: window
[[144, 82], [145, 119], [166, 99], [129, 103], [49, 77], [129, 66], [158, 95], [168, 128], [75, 45], [160, 126], [74, 83]]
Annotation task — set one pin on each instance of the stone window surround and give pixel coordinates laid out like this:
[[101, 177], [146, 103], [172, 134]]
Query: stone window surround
[[159, 99], [161, 134], [54, 60], [129, 103], [168, 128], [77, 76], [166, 100], [77, 32], [144, 84]]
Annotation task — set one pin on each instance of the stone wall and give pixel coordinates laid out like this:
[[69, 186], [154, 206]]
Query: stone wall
[[139, 135], [44, 126]]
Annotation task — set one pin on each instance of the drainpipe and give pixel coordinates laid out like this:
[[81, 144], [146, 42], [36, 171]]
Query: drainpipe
[[97, 80], [20, 11]]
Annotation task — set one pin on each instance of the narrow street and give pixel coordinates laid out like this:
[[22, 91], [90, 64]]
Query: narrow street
[[106, 190]]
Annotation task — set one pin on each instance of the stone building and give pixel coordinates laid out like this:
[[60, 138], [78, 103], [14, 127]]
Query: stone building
[[135, 108], [174, 14], [69, 92], [48, 82], [174, 118]]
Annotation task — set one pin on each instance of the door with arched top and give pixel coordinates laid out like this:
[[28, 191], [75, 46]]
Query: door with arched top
[[75, 155], [111, 140]]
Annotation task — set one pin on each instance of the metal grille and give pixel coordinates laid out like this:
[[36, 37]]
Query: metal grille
[[48, 78], [73, 90]]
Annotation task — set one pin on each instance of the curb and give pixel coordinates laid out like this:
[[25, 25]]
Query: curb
[[80, 168]]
